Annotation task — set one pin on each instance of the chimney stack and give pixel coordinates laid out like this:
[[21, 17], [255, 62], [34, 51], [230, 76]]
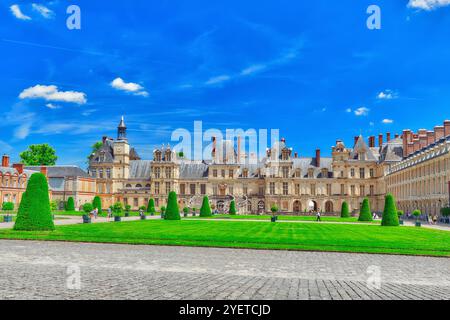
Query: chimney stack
[[410, 148], [388, 136], [18, 167], [447, 128], [5, 161], [380, 140], [423, 141], [430, 137], [44, 171], [318, 158], [439, 132], [407, 138], [416, 145], [372, 142], [296, 155]]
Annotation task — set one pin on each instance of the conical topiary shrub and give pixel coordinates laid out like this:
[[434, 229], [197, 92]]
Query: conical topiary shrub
[[390, 217], [172, 210], [205, 210], [233, 208], [365, 214], [70, 205], [97, 204], [151, 207], [345, 212], [34, 211]]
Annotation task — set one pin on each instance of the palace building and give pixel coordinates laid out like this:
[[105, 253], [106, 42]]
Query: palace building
[[414, 167], [295, 184]]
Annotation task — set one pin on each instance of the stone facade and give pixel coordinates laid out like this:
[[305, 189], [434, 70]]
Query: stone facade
[[295, 184]]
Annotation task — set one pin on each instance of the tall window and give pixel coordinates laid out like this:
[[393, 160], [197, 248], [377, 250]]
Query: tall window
[[352, 190], [108, 173], [313, 189], [136, 202], [272, 188], [182, 189], [342, 189], [372, 173], [285, 188], [362, 173], [261, 190], [168, 188], [157, 172], [100, 173], [156, 187], [215, 190], [372, 190], [215, 173], [168, 173], [192, 186], [297, 189], [328, 189], [362, 190], [285, 172], [203, 189], [352, 172], [222, 173], [231, 190], [245, 173], [230, 174]]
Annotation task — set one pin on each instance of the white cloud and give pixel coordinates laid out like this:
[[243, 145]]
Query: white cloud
[[43, 11], [252, 69], [15, 9], [218, 79], [387, 121], [51, 93], [52, 106], [348, 110], [386, 95], [428, 4], [363, 111], [131, 87]]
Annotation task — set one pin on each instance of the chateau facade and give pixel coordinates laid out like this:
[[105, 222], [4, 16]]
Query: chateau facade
[[295, 184]]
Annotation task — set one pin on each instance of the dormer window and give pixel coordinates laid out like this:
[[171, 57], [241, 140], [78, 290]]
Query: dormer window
[[285, 155], [245, 173], [158, 156], [298, 173], [311, 173]]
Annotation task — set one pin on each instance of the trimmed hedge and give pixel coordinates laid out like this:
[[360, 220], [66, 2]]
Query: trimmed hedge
[[390, 217], [205, 210], [151, 206], [445, 212], [233, 208], [345, 211], [34, 211], [172, 210], [70, 205], [97, 204], [365, 213], [88, 207], [8, 206]]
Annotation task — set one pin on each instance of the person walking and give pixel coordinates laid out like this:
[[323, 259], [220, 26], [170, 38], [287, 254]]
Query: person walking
[[318, 216]]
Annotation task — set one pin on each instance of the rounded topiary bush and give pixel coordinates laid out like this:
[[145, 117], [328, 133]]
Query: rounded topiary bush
[[390, 216], [34, 211], [70, 205], [172, 210], [365, 214], [8, 206], [205, 210], [151, 206], [233, 208], [345, 211], [88, 207], [97, 204]]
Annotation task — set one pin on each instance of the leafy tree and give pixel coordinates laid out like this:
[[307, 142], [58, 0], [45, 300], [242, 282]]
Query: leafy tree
[[274, 209], [345, 211], [53, 205], [365, 214], [390, 217], [8, 206], [172, 211], [34, 211], [117, 209], [95, 147], [39, 155], [151, 206], [233, 208], [417, 214], [205, 210], [70, 205], [97, 204]]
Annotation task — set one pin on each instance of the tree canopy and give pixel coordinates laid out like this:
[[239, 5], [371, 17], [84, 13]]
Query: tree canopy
[[39, 155]]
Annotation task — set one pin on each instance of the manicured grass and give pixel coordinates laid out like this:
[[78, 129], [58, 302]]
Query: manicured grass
[[257, 235], [285, 218], [81, 213]]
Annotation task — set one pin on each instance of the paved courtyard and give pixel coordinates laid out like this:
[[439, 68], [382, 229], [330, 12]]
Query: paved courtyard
[[39, 270]]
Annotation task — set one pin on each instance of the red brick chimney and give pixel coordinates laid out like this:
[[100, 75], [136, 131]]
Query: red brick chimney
[[380, 140], [5, 161], [18, 167], [430, 137], [318, 158], [388, 136], [44, 171], [439, 132], [423, 141], [447, 128], [416, 145], [407, 138], [410, 148], [372, 142]]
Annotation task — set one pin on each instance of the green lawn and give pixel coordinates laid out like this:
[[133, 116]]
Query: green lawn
[[81, 213], [257, 235], [284, 218]]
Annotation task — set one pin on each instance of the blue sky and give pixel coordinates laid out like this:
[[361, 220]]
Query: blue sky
[[309, 68]]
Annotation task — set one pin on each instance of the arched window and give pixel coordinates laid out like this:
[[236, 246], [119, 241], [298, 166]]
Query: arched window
[[138, 186], [128, 186]]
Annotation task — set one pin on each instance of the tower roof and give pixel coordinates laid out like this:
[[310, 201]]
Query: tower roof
[[122, 123]]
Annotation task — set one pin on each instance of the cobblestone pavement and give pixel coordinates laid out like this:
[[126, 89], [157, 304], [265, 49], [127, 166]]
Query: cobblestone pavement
[[39, 270]]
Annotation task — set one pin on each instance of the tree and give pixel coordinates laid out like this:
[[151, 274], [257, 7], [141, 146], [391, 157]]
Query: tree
[[232, 208], [205, 210], [53, 205], [39, 155], [97, 204], [390, 217], [88, 207], [274, 209], [70, 205], [345, 211], [151, 206], [34, 211], [117, 209], [417, 214], [365, 213], [95, 147], [172, 211]]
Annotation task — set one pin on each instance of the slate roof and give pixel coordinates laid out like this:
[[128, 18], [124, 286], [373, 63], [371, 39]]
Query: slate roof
[[392, 151], [140, 169], [193, 170], [61, 171]]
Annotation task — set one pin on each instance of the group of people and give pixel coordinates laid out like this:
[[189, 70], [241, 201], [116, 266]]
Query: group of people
[[94, 213]]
